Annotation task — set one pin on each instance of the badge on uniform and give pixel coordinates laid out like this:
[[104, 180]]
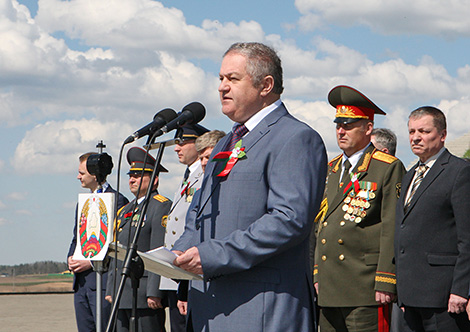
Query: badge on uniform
[[357, 204]]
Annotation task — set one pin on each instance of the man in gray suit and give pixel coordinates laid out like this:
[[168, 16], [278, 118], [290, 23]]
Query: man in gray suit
[[247, 231], [432, 231]]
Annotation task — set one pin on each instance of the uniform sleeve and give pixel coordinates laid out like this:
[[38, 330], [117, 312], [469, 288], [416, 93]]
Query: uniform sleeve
[[385, 278]]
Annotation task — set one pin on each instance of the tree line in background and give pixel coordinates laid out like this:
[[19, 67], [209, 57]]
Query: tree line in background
[[43, 267]]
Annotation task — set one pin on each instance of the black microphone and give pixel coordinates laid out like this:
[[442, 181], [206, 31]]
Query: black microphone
[[190, 114], [159, 120]]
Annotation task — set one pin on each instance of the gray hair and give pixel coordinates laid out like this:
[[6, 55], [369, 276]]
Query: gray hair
[[385, 138], [208, 140], [261, 61]]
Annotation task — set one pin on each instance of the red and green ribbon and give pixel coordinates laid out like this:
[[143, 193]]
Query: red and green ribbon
[[230, 158]]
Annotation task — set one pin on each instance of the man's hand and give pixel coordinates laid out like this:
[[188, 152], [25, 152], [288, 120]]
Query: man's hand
[[384, 297], [109, 298], [468, 309], [77, 266], [190, 261], [154, 302], [316, 287], [457, 304], [183, 307]]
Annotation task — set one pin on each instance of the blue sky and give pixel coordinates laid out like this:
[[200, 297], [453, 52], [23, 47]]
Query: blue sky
[[76, 72]]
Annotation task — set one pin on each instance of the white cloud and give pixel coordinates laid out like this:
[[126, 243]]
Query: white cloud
[[438, 18], [17, 196], [3, 221], [141, 25], [56, 145]]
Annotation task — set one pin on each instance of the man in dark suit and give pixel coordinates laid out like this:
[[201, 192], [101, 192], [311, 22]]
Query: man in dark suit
[[247, 231], [432, 234], [150, 312], [84, 278], [354, 274]]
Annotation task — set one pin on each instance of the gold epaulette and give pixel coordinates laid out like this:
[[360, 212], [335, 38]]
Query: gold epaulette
[[160, 198], [385, 157]]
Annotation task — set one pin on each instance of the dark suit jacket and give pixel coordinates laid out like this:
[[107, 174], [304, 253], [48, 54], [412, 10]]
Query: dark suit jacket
[[251, 228], [432, 240], [88, 277]]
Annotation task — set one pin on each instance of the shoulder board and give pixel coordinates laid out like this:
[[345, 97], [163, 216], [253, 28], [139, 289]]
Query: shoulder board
[[385, 157], [334, 159], [160, 198]]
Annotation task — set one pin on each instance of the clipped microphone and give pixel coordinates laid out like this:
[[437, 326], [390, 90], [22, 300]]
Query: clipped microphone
[[190, 114], [159, 120]]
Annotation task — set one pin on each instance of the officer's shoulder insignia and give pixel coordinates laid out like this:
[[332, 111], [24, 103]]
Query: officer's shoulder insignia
[[336, 160], [365, 163], [385, 157], [160, 198], [164, 220]]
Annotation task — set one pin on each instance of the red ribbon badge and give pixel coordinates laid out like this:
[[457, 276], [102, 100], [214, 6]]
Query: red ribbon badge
[[230, 158]]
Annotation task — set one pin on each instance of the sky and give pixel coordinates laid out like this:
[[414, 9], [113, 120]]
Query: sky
[[73, 73]]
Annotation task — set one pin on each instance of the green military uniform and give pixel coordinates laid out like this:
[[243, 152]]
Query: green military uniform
[[354, 250]]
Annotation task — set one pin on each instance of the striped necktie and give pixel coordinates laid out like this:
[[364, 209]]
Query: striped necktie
[[238, 131], [419, 178]]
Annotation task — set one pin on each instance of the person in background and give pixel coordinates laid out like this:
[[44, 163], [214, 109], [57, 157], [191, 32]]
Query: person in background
[[432, 231], [176, 220], [84, 278], [354, 273], [206, 143], [384, 140], [150, 313]]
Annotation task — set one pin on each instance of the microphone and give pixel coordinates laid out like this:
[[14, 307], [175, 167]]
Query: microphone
[[190, 114], [159, 120]]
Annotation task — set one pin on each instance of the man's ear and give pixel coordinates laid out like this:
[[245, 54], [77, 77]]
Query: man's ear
[[267, 85]]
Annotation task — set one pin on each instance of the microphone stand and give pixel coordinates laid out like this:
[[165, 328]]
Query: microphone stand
[[133, 266]]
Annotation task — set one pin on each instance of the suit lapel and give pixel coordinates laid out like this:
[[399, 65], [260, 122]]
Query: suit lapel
[[433, 173], [360, 170], [211, 181]]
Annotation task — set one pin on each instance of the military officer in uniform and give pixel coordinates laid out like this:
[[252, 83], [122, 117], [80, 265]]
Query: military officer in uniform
[[150, 312], [353, 273], [176, 220]]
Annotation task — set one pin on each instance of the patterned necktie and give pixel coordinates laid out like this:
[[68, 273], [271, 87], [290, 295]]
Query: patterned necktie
[[238, 131], [419, 178], [345, 178]]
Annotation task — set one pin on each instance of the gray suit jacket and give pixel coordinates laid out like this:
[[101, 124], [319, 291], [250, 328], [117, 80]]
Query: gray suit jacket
[[251, 229], [432, 240]]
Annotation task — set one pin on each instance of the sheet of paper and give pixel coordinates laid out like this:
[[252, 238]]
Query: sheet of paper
[[163, 254], [154, 262]]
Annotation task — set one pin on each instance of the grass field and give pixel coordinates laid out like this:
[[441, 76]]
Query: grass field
[[42, 283]]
